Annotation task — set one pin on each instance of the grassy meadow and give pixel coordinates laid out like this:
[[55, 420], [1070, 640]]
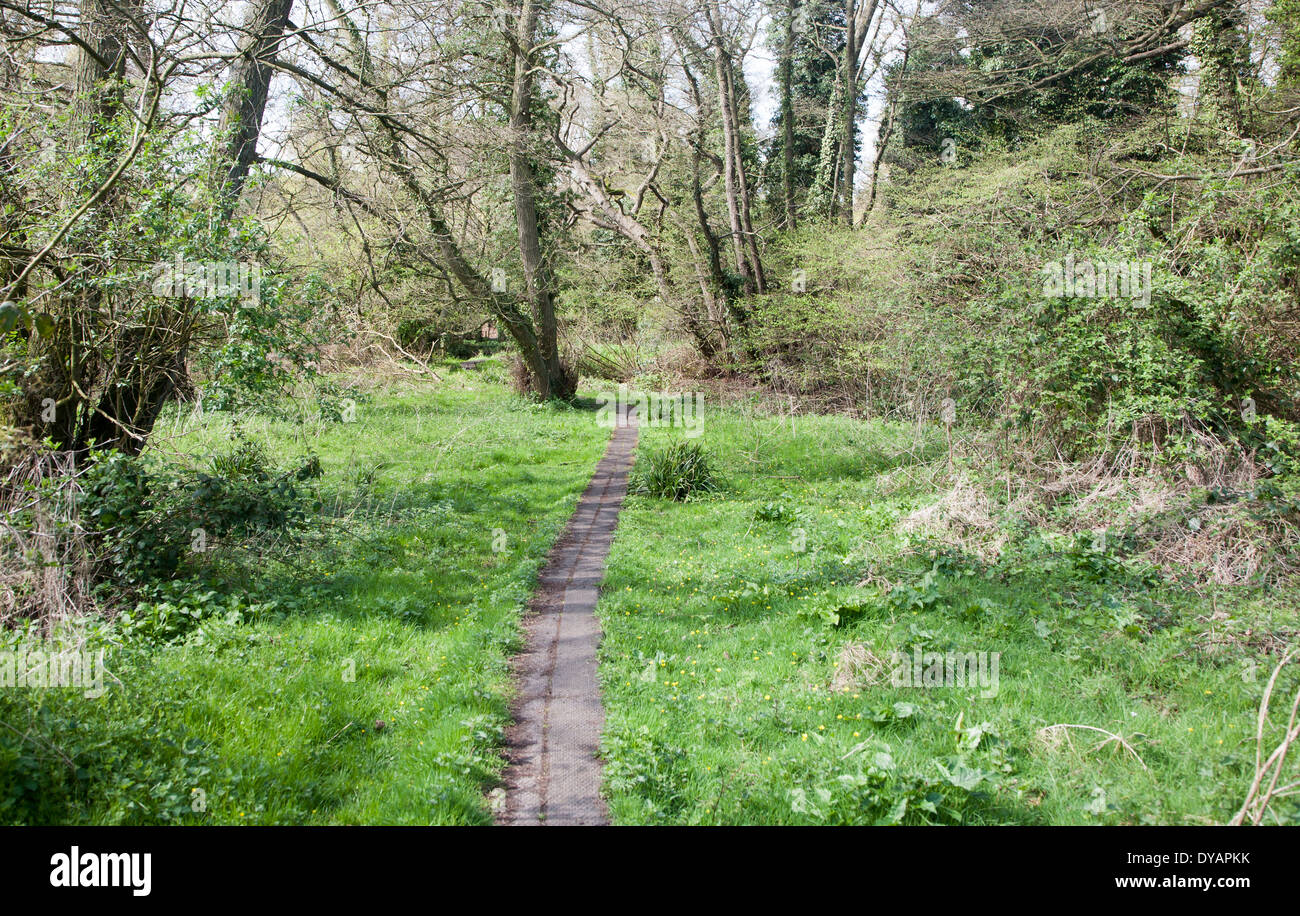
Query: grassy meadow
[[747, 661], [357, 674], [355, 671]]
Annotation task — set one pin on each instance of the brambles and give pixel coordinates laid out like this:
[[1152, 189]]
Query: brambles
[[145, 518]]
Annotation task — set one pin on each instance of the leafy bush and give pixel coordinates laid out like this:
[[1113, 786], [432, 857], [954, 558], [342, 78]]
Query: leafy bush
[[145, 518], [418, 335], [173, 611], [775, 512], [270, 342], [1280, 454], [879, 793], [657, 772], [885, 327], [338, 403], [674, 472], [118, 509]]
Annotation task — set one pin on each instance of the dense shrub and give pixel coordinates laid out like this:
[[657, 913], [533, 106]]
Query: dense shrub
[[418, 335], [611, 362], [147, 518], [942, 295]]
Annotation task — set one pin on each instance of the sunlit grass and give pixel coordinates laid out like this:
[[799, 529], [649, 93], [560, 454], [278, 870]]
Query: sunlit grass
[[377, 692], [720, 660]]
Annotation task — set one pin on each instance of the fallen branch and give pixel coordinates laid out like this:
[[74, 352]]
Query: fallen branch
[[1111, 736], [1258, 798]]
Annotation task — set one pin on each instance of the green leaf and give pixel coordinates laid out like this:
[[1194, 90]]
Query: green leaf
[[9, 315], [962, 776], [44, 324]]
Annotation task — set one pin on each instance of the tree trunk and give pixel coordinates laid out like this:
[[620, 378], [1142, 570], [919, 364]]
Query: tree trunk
[[72, 357], [826, 181], [787, 116], [886, 131], [553, 381], [729, 167], [743, 244], [697, 189], [548, 375], [849, 117], [97, 77], [245, 102], [1220, 45], [742, 186]]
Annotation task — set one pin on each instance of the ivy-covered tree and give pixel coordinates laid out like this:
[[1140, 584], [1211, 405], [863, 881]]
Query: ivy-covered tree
[[809, 36], [993, 67]]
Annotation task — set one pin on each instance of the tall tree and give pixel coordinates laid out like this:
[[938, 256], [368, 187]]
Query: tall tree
[[744, 241], [244, 106], [550, 375], [105, 30], [1284, 17], [1219, 43], [1017, 68], [813, 32], [786, 115], [377, 95], [849, 116], [837, 163]]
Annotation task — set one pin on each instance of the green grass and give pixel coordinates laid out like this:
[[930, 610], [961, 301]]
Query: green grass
[[395, 581], [726, 618], [722, 644]]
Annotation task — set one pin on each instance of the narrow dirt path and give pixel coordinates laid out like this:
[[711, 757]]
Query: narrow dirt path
[[554, 775]]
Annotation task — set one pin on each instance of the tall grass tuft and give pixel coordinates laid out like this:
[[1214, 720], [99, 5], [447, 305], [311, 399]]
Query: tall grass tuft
[[674, 472]]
